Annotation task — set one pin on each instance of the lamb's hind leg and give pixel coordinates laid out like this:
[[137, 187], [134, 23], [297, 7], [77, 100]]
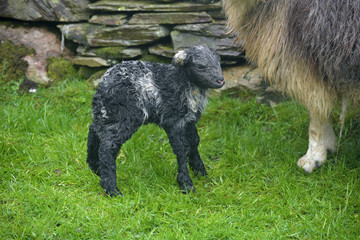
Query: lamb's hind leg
[[108, 151], [92, 149], [195, 162], [110, 143], [321, 140]]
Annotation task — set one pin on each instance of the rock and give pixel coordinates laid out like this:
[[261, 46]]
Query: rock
[[209, 29], [223, 45], [96, 78], [214, 35], [217, 14], [249, 78], [170, 18], [85, 71], [244, 76], [110, 52], [78, 32], [116, 19], [166, 1], [151, 6], [45, 10], [60, 69], [162, 50], [155, 59], [12, 63], [204, 1], [45, 43], [96, 35], [92, 61], [127, 35]]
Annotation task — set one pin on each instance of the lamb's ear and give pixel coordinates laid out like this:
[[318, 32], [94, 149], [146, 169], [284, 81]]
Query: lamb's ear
[[180, 59]]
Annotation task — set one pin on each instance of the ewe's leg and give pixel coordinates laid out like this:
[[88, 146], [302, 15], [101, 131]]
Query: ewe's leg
[[181, 147], [321, 139], [92, 149], [195, 162]]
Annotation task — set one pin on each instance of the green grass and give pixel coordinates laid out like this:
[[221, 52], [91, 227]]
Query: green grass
[[254, 189]]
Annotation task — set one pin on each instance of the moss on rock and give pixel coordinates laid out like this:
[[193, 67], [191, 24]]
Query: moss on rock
[[59, 69], [95, 78], [85, 72], [110, 52], [156, 59], [13, 66]]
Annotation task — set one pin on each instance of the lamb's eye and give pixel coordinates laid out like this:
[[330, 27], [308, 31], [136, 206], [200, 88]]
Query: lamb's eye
[[200, 68]]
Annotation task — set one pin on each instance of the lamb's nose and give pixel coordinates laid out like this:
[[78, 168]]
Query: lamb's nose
[[221, 81]]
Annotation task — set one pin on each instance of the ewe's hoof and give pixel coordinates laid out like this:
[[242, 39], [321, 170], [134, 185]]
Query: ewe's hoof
[[309, 164]]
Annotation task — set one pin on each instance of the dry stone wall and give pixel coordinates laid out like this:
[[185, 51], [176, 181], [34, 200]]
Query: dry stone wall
[[103, 33], [150, 30]]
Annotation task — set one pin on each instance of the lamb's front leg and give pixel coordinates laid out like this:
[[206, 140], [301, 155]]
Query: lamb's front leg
[[181, 147], [321, 140], [195, 162]]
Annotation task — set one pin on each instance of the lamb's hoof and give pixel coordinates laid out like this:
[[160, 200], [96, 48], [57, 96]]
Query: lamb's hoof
[[186, 185], [309, 164], [200, 172], [198, 167], [114, 192], [187, 189]]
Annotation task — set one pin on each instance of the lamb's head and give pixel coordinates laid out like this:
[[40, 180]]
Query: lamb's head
[[202, 65]]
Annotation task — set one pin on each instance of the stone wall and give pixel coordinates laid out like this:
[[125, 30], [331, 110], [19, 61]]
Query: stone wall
[[103, 33], [148, 30]]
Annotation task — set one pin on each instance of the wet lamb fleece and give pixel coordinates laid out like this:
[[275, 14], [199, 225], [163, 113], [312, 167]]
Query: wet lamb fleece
[[172, 96]]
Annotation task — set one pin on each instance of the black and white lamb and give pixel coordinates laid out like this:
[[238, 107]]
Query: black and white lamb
[[172, 96]]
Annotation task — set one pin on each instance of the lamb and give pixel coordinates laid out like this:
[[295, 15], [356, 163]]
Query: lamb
[[310, 49], [172, 96]]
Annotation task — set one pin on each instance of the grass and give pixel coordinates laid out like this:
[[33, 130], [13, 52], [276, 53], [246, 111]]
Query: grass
[[254, 189]]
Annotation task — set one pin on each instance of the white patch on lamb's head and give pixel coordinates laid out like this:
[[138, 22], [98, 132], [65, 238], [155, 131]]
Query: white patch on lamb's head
[[180, 58]]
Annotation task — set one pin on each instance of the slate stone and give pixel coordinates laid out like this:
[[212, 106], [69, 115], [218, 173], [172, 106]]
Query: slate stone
[[170, 18], [116, 19], [151, 6], [166, 1], [127, 35], [244, 76], [217, 14], [110, 52], [223, 45], [45, 10], [210, 29], [204, 1], [92, 61], [78, 32], [162, 50]]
